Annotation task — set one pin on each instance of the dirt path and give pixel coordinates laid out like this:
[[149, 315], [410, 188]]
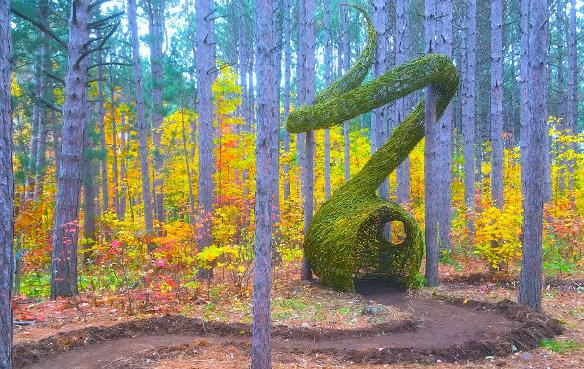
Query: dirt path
[[446, 330]]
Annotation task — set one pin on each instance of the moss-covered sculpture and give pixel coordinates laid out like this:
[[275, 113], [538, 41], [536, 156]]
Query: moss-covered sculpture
[[345, 240]]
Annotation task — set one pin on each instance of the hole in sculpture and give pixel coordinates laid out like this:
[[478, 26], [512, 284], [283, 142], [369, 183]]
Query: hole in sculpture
[[394, 232]]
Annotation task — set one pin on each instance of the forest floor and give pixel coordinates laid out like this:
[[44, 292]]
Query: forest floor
[[467, 322]]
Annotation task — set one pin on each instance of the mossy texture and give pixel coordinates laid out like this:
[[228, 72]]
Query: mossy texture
[[345, 240]]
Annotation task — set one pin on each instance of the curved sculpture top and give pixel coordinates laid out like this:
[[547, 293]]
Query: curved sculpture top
[[345, 240]]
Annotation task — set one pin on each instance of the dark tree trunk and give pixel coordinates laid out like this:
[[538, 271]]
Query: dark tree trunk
[[89, 190], [102, 139], [66, 228], [530, 281], [287, 72], [572, 111], [497, 103], [6, 190]]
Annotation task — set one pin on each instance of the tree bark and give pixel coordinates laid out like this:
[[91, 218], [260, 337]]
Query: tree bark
[[66, 228], [572, 109], [431, 148], [266, 120], [402, 55], [142, 127], [205, 59], [115, 171], [469, 113], [89, 190], [287, 72], [379, 117], [328, 81], [6, 190], [309, 44], [102, 140], [497, 103], [123, 167], [346, 64], [155, 10], [530, 281]]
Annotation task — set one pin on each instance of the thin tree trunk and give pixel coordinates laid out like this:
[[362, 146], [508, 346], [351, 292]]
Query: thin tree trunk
[[469, 114], [142, 127], [266, 120], [346, 64], [431, 148], [205, 59], [524, 106], [309, 43], [66, 229], [102, 140], [188, 168], [6, 190], [497, 103], [46, 92], [115, 150], [572, 111], [530, 281], [402, 55], [123, 167], [328, 81], [156, 27], [287, 66], [89, 190]]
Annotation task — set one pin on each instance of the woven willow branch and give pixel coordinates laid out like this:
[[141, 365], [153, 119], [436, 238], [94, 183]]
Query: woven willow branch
[[345, 240]]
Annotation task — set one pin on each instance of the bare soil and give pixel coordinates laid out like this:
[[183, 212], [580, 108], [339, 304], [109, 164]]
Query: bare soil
[[440, 328]]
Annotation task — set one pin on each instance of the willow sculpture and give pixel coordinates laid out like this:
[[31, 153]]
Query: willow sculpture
[[345, 240]]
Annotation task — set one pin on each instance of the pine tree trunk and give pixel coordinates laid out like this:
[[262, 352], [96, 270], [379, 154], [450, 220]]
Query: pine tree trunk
[[46, 93], [123, 167], [287, 72], [469, 113], [403, 106], [155, 10], [379, 117], [497, 103], [6, 190], [309, 42], [328, 81], [530, 281], [524, 94], [89, 190], [102, 140], [266, 120], [115, 171], [142, 127], [572, 111], [346, 64], [205, 59], [431, 148], [66, 228]]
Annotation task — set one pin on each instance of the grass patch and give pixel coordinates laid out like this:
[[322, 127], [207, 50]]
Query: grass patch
[[561, 347]]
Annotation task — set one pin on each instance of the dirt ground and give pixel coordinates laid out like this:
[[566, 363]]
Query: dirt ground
[[467, 322]]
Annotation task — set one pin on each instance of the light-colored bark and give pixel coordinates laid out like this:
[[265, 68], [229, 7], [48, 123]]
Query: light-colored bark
[[431, 149], [155, 10], [572, 109], [379, 117], [404, 105], [102, 139], [469, 113], [346, 46], [266, 120], [530, 280], [205, 59], [143, 129], [308, 44], [328, 80], [287, 71], [6, 190], [497, 103], [66, 227]]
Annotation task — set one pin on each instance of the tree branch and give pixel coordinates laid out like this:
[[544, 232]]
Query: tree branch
[[109, 63], [100, 46], [38, 25]]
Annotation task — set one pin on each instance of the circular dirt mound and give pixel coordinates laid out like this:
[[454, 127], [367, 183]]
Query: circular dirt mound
[[442, 328]]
